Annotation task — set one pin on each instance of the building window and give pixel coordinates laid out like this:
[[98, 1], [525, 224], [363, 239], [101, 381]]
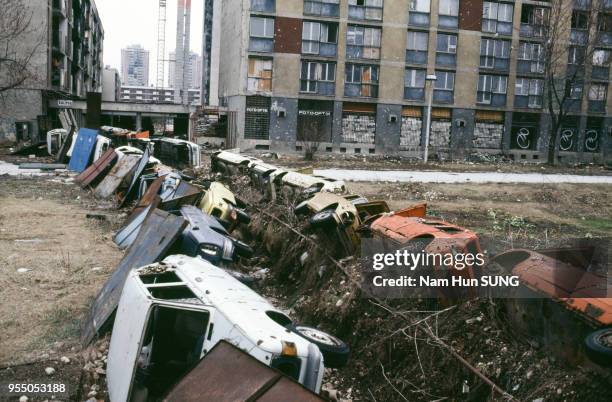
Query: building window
[[264, 6], [259, 75], [419, 12], [362, 42], [414, 84], [597, 97], [366, 9], [492, 90], [361, 80], [528, 93], [444, 86], [533, 20], [579, 24], [448, 12], [325, 8], [416, 47], [604, 28], [530, 58], [495, 54], [575, 55], [446, 50], [261, 34], [318, 77], [257, 118], [601, 64], [497, 17], [319, 38]]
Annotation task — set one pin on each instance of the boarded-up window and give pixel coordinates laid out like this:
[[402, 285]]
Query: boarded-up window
[[259, 74]]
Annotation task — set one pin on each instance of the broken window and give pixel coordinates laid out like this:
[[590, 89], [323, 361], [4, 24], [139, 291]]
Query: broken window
[[528, 92], [319, 38], [444, 86], [261, 34], [448, 11], [598, 92], [530, 58], [416, 47], [171, 346], [325, 8], [492, 90], [259, 74], [363, 42], [497, 17], [414, 84], [366, 9], [446, 50], [361, 80], [580, 19], [419, 12], [533, 20], [494, 53], [318, 77]]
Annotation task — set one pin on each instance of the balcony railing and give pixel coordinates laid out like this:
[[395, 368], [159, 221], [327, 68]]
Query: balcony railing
[[532, 30], [264, 6]]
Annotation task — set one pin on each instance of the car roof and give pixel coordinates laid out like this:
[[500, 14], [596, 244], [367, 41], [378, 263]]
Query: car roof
[[196, 217], [406, 228], [241, 305]]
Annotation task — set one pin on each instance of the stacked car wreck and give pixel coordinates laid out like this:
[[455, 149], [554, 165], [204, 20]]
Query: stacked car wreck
[[177, 294]]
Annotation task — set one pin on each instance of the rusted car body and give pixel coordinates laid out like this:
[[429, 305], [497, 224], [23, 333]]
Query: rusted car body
[[411, 226], [561, 281]]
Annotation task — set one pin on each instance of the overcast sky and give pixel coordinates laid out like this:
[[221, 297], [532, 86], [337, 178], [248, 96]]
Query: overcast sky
[[128, 22]]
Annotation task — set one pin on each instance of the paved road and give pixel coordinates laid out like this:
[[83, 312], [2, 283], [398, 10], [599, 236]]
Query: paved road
[[13, 170], [454, 177]]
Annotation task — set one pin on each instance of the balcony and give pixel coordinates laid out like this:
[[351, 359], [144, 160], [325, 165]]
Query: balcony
[[325, 8], [598, 106], [448, 22], [262, 45], [418, 19], [530, 67], [532, 30], [600, 73], [443, 96], [578, 36], [414, 94], [364, 12], [416, 56], [322, 88]]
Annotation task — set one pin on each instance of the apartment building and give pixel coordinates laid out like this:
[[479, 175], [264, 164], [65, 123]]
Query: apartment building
[[65, 38], [193, 70], [135, 66], [352, 74], [141, 94]]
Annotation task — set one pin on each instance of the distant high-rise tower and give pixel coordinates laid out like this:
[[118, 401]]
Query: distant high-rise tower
[[192, 76], [135, 66], [210, 53], [183, 22]]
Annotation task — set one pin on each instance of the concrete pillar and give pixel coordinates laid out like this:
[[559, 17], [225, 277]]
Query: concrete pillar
[[138, 121], [387, 139], [582, 125], [506, 140], [337, 124], [544, 134]]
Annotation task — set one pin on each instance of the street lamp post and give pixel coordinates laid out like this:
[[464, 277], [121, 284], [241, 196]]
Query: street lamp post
[[430, 78]]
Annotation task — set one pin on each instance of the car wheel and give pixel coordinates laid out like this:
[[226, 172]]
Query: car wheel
[[335, 352], [323, 219], [301, 208], [242, 249], [599, 346], [242, 216]]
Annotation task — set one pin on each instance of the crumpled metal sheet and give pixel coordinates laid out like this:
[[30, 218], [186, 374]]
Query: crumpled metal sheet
[[144, 160], [96, 170], [113, 179], [159, 231]]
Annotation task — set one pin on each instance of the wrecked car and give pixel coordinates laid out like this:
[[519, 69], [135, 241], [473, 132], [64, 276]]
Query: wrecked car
[[171, 314], [205, 237], [341, 215], [230, 163], [179, 153], [220, 202], [55, 139], [296, 183], [564, 286]]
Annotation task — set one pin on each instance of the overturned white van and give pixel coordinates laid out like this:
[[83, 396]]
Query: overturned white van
[[172, 313]]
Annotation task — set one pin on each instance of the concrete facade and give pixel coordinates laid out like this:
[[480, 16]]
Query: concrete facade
[[378, 98], [135, 66], [65, 39], [111, 84]]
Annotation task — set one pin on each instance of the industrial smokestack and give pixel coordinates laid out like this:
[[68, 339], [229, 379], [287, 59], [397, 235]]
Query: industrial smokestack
[[183, 25]]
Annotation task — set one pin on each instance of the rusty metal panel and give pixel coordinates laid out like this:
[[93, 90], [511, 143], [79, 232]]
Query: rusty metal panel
[[148, 198], [229, 374], [288, 35], [113, 179], [137, 172], [159, 231], [470, 15], [96, 170]]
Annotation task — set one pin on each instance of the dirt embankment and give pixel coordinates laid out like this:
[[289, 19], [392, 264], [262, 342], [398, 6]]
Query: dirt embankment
[[412, 349]]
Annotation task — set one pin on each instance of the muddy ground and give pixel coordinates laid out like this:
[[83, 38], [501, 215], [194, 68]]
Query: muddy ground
[[68, 256]]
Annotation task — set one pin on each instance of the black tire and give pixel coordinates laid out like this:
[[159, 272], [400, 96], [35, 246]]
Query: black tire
[[301, 209], [242, 249], [335, 351], [599, 346], [242, 216], [323, 219]]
